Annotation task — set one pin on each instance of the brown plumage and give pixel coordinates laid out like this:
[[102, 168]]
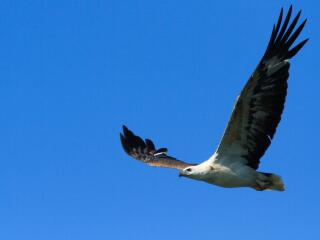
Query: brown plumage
[[146, 152]]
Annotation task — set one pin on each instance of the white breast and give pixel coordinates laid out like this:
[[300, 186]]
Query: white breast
[[236, 175]]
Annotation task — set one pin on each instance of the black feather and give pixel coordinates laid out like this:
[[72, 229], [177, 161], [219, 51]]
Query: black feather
[[145, 151], [270, 89]]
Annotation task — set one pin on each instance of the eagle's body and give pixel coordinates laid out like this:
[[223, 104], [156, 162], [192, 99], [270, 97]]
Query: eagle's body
[[251, 127], [235, 175], [220, 175]]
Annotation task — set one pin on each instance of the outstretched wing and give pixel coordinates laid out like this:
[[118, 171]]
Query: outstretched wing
[[258, 109], [146, 152]]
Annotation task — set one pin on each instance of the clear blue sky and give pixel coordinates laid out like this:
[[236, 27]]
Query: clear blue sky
[[72, 72]]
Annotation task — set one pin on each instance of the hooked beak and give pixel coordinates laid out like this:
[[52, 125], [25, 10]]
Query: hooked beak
[[181, 174]]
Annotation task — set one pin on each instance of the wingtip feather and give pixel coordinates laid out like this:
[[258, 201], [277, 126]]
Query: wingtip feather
[[124, 128]]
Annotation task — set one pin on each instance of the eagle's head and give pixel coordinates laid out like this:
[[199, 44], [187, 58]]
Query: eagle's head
[[195, 172], [187, 172]]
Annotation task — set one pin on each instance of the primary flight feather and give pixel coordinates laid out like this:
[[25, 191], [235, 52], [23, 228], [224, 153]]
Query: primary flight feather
[[252, 124]]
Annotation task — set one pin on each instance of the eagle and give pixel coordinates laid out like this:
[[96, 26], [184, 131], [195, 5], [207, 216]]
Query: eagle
[[251, 127]]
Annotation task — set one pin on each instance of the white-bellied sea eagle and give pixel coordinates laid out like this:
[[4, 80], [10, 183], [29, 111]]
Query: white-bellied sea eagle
[[252, 124]]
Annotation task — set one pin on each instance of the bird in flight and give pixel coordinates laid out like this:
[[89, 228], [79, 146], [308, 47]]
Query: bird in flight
[[251, 127]]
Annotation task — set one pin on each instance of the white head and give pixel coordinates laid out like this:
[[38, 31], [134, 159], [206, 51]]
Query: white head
[[199, 172]]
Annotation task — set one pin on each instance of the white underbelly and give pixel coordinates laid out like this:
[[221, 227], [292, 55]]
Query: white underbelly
[[228, 178]]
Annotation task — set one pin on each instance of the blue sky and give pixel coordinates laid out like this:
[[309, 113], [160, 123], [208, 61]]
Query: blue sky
[[72, 72]]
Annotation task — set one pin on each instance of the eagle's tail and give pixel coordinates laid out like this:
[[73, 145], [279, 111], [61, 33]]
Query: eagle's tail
[[273, 182]]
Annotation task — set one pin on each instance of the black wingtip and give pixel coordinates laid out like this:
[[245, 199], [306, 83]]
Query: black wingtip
[[299, 13], [124, 143], [281, 14], [297, 48], [281, 11], [304, 22], [127, 132], [124, 128], [150, 144], [136, 147], [284, 35]]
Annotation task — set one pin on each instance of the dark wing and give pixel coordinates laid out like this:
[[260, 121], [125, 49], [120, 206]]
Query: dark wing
[[258, 109], [146, 152]]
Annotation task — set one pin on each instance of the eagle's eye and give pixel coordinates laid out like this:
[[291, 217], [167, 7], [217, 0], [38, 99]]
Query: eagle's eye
[[188, 169]]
